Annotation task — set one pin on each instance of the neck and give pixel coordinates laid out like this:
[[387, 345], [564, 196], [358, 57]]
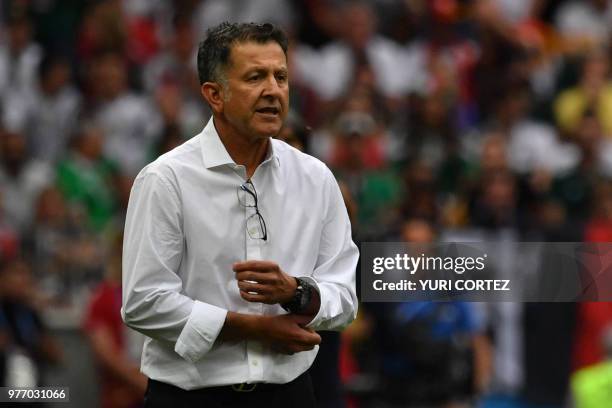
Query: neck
[[243, 150]]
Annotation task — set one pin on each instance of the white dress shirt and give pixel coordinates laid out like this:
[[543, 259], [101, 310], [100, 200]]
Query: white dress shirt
[[185, 228]]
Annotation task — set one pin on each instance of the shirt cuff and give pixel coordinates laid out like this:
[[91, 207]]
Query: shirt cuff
[[200, 331]]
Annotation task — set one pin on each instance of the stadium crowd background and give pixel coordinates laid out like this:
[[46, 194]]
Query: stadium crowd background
[[463, 119]]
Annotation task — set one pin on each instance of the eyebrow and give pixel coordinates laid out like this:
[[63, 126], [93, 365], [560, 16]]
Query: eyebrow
[[261, 68]]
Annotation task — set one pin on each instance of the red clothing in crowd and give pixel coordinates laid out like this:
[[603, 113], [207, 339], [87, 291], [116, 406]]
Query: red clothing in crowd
[[594, 318], [104, 312]]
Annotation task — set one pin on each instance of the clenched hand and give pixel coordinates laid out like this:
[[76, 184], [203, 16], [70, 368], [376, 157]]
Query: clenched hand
[[264, 282]]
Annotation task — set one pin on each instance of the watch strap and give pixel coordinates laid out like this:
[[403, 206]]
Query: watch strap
[[301, 298]]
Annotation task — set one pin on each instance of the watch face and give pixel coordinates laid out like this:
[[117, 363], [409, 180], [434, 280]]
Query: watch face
[[301, 299], [305, 294]]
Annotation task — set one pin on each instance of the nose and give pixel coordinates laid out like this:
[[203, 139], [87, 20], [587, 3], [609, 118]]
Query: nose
[[272, 88]]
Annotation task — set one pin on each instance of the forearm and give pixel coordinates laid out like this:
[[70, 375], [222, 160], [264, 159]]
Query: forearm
[[240, 326], [283, 333]]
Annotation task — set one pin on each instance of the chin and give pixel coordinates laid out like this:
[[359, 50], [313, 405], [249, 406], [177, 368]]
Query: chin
[[268, 131]]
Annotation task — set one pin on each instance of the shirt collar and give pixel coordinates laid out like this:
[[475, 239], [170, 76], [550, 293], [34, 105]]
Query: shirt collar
[[215, 154]]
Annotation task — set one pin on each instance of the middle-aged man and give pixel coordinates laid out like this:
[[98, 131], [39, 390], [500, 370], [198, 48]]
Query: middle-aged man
[[237, 246]]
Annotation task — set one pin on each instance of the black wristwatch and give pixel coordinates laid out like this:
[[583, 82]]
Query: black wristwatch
[[301, 298]]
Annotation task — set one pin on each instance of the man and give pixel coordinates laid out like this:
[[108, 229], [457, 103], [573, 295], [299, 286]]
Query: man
[[237, 247]]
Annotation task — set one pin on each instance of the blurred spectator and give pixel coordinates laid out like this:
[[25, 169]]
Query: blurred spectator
[[576, 188], [507, 18], [21, 180], [176, 63], [143, 22], [66, 256], [532, 144], [85, 177], [599, 226], [171, 138], [433, 354], [432, 129], [115, 347], [420, 199], [103, 29], [19, 57], [496, 202], [595, 318], [595, 148], [30, 345], [593, 92], [586, 23], [450, 58], [128, 120], [359, 161], [295, 133], [53, 110], [460, 178], [177, 110], [331, 70], [316, 22], [9, 240]]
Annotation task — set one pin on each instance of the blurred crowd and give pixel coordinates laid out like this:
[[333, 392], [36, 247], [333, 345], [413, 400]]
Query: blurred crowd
[[443, 120]]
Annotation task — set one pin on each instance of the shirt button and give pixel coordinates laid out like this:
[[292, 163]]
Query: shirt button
[[255, 363]]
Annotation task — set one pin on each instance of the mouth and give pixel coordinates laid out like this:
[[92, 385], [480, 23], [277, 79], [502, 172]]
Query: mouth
[[270, 111]]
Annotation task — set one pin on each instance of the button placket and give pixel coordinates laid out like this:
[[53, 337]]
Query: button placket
[[254, 350]]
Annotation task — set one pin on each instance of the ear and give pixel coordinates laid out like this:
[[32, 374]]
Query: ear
[[213, 94]]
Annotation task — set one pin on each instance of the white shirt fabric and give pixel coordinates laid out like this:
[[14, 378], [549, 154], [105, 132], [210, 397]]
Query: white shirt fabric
[[185, 228]]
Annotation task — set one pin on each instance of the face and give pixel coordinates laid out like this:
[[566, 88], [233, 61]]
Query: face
[[359, 25], [255, 98], [112, 76]]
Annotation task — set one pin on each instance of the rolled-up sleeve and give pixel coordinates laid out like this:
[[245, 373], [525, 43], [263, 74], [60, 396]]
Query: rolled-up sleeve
[[334, 273], [152, 301]]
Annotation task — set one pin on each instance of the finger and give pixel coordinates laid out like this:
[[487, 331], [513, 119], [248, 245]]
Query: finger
[[254, 277], [253, 287], [260, 266], [311, 338], [255, 298]]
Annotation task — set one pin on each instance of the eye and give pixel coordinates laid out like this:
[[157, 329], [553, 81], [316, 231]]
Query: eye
[[281, 77], [253, 78]]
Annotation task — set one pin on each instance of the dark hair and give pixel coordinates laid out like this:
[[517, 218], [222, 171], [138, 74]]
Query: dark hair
[[214, 50]]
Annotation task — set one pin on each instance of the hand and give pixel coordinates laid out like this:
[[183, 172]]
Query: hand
[[287, 334], [264, 282]]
